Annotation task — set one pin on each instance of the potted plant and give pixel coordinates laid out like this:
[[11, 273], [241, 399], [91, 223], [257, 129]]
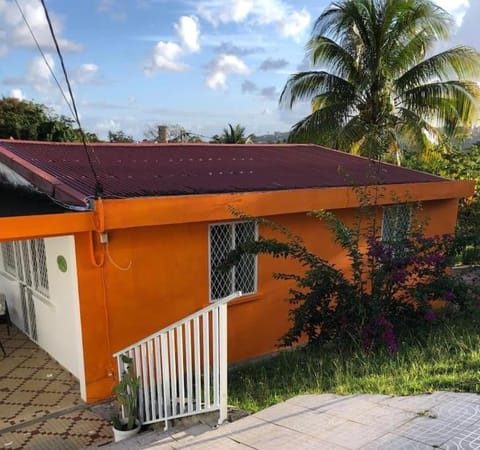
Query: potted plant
[[126, 395]]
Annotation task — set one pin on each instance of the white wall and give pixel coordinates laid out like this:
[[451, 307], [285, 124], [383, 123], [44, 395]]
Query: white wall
[[58, 316]]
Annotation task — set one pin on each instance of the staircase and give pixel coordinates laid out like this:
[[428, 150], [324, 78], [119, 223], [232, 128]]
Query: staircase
[[183, 368]]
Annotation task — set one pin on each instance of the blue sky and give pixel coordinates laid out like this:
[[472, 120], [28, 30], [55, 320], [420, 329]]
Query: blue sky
[[197, 63]]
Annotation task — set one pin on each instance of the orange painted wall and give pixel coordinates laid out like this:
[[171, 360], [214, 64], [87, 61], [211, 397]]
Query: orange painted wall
[[168, 279]]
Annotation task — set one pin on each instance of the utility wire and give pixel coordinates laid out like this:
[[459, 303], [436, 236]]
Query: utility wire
[[45, 58], [98, 184]]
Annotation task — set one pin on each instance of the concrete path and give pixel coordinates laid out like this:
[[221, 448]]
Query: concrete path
[[441, 420]]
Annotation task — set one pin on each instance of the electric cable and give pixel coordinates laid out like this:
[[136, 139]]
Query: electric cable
[[98, 184], [44, 57]]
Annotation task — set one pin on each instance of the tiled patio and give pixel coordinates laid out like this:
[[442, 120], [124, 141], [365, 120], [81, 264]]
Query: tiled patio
[[444, 420], [40, 404]]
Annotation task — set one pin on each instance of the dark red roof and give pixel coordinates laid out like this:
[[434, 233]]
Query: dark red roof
[[136, 170]]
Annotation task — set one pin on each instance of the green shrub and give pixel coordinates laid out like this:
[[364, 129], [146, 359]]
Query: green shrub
[[392, 286]]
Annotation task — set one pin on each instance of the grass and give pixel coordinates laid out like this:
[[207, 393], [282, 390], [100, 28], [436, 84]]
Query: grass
[[447, 357]]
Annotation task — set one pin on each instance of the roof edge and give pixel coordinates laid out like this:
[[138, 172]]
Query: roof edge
[[42, 180]]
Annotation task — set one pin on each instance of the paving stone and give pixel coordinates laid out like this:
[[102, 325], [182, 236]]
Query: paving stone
[[264, 435], [434, 432], [415, 403], [468, 439], [223, 443], [316, 401], [385, 418], [393, 442], [354, 409], [280, 411], [312, 424], [457, 411], [352, 435], [374, 398], [460, 396]]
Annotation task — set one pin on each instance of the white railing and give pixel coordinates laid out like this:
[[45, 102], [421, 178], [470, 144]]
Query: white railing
[[183, 368]]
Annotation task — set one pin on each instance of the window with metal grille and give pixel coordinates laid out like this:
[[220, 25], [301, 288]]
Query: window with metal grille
[[8, 257], [39, 266], [243, 277], [396, 222]]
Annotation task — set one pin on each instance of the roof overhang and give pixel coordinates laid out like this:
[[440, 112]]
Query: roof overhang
[[139, 212], [154, 211], [43, 181]]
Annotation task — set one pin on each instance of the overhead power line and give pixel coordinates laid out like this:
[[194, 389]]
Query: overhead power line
[[45, 59], [98, 189]]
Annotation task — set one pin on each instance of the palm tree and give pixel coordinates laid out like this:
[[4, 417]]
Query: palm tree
[[378, 88], [233, 135]]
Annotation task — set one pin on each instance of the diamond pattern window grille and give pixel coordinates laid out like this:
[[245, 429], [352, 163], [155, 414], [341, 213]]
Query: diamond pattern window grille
[[39, 266], [8, 257], [396, 222], [223, 239]]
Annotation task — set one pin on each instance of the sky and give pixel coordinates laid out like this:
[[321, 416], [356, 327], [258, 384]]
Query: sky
[[201, 64]]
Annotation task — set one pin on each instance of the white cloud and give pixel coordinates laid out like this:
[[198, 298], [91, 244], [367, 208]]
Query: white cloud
[[165, 57], [189, 33], [289, 22], [222, 66], [86, 73], [17, 93], [218, 11], [457, 8], [295, 26], [112, 9], [15, 33], [38, 74], [166, 54]]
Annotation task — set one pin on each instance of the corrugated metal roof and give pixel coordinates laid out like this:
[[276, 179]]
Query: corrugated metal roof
[[137, 170]]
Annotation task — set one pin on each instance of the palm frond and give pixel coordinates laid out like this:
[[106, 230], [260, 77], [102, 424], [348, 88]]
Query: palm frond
[[461, 62], [305, 85], [321, 126], [334, 57]]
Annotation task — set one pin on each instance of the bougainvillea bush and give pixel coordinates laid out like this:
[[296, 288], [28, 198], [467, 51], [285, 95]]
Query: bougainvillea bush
[[393, 286]]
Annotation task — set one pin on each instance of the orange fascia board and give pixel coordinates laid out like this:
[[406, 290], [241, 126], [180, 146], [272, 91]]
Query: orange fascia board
[[139, 212], [28, 227]]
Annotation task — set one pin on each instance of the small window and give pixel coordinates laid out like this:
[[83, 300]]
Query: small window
[[8, 256], [396, 222], [39, 266], [243, 277]]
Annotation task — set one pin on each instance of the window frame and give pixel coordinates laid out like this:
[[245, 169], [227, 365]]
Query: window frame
[[397, 206], [31, 249], [39, 266], [7, 268], [255, 260]]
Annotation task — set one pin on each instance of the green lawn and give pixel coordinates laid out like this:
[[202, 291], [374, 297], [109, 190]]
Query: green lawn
[[445, 358]]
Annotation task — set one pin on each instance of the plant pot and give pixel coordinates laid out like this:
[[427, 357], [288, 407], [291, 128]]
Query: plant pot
[[120, 435]]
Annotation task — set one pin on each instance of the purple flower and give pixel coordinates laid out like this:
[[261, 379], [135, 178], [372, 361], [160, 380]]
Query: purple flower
[[430, 316], [398, 277], [449, 296]]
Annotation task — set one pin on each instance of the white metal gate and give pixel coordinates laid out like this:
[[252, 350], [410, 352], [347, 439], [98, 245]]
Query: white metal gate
[[183, 368]]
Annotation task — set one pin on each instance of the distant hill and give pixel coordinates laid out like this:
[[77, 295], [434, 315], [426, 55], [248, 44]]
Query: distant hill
[[275, 138]]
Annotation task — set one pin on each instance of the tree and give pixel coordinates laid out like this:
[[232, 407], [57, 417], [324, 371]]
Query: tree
[[22, 119], [119, 137], [233, 135], [378, 89]]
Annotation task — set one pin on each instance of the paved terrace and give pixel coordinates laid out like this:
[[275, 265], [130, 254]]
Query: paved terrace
[[441, 420], [40, 404]]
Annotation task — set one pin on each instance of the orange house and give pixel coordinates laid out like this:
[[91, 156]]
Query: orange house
[[94, 262]]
